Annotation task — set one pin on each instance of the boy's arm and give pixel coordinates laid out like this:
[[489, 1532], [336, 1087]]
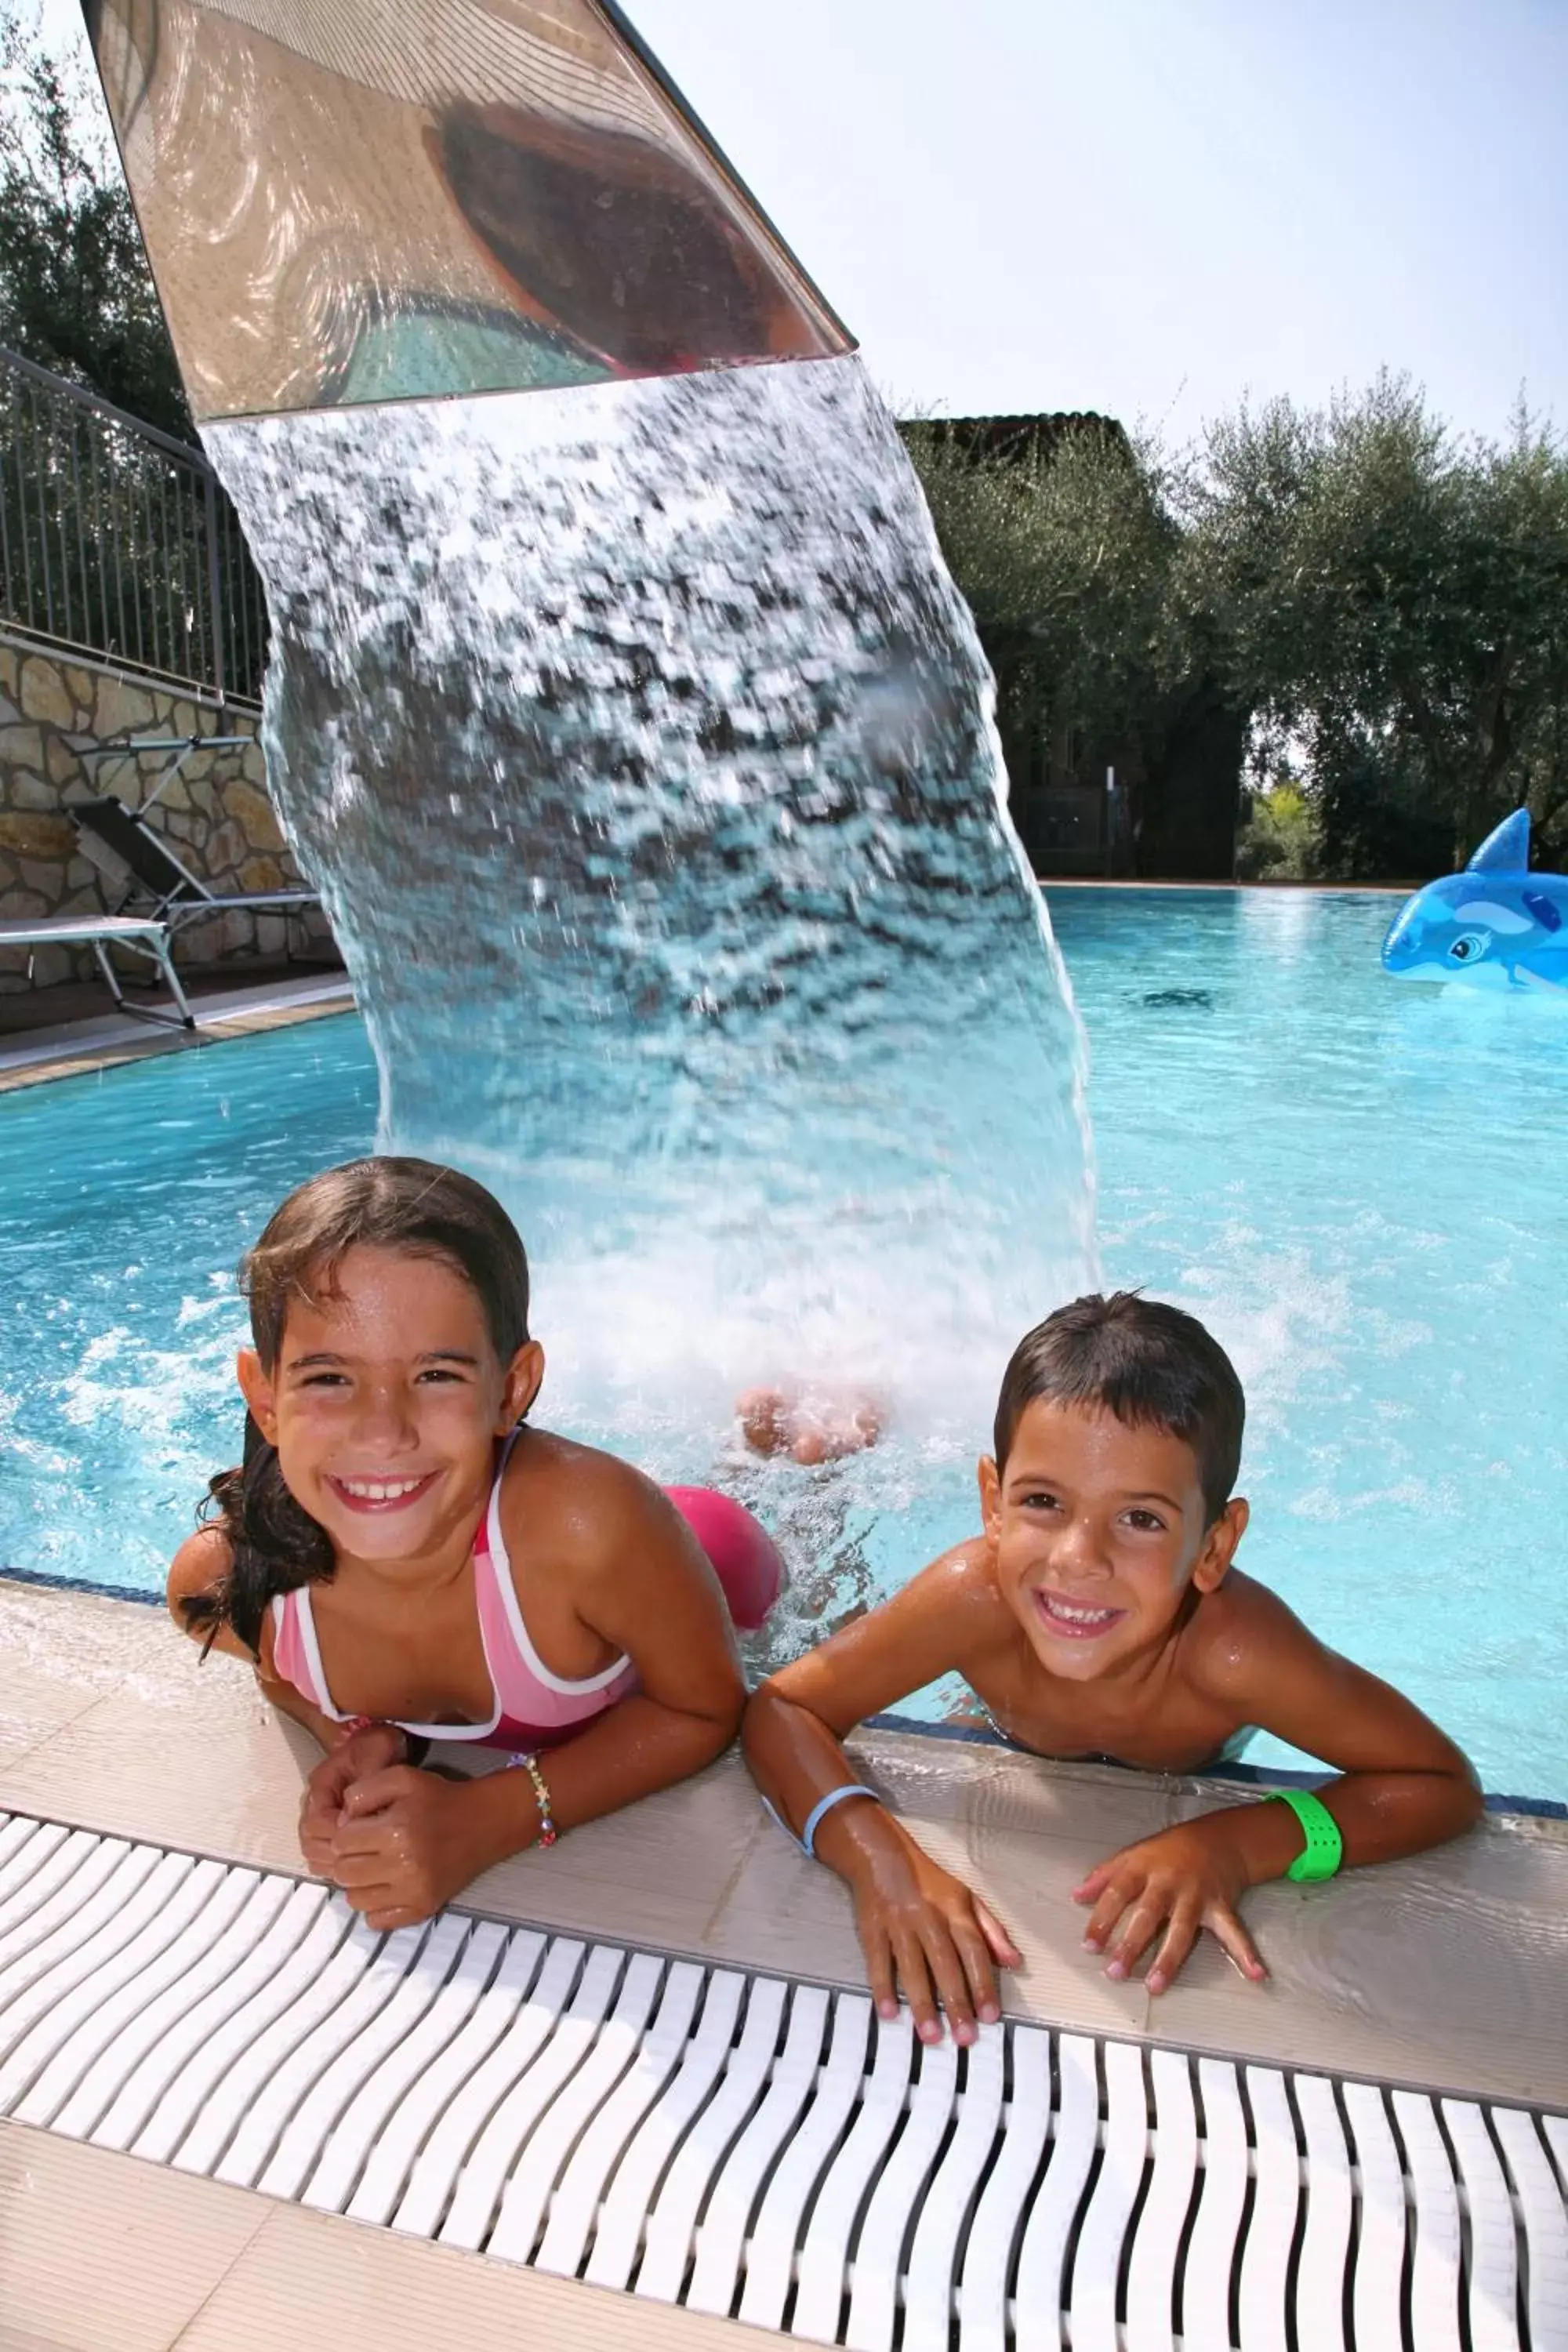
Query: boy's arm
[[798, 1718], [1405, 1786], [918, 1926]]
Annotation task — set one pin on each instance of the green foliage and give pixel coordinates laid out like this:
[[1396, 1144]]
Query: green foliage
[[76, 293], [1280, 841], [1064, 553], [1356, 579], [1399, 598]]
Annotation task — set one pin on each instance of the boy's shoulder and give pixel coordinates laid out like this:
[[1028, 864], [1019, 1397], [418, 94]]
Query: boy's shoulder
[[960, 1587], [1238, 1633]]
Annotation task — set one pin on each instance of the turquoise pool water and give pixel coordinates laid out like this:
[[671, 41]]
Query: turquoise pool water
[[1358, 1182]]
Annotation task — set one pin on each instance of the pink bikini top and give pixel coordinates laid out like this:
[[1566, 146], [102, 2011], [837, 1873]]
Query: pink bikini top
[[533, 1707]]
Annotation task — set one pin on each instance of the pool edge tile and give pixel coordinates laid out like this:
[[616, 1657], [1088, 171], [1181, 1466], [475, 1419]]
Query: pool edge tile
[[161, 2243], [409, 2295], [191, 1757]]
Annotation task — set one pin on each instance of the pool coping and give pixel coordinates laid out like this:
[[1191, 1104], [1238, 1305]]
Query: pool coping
[[1444, 1974], [79, 1049], [109, 1720], [1237, 1774]]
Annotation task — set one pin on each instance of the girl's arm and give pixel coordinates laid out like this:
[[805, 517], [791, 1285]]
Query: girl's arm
[[1403, 1786], [198, 1569], [199, 1566], [920, 1928], [410, 1841]]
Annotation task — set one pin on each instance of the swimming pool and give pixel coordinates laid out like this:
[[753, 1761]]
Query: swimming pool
[[1358, 1182]]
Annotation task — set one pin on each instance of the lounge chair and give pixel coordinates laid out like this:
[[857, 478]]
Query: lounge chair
[[152, 881], [144, 935]]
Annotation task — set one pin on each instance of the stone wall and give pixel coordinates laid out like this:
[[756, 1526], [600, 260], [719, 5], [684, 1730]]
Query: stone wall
[[215, 815]]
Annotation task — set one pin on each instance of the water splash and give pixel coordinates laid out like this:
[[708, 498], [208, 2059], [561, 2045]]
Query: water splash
[[642, 748]]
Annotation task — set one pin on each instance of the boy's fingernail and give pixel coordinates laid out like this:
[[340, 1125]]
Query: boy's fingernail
[[990, 2013], [1092, 1943], [1156, 1981], [1117, 1968]]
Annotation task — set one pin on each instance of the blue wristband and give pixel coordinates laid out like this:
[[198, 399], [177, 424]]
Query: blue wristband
[[807, 1839], [824, 1805]]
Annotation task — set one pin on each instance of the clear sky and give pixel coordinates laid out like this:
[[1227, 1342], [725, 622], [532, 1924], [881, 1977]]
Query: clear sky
[[1152, 206], [1149, 207]]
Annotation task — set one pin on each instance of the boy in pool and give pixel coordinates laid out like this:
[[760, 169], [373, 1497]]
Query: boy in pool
[[402, 1556], [809, 1425], [1099, 1615]]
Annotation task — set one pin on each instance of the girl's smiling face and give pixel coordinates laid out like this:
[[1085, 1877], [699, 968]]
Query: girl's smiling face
[[1099, 1528], [385, 1403]]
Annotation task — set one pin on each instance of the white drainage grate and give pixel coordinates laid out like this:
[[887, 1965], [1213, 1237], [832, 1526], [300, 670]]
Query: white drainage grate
[[742, 2145]]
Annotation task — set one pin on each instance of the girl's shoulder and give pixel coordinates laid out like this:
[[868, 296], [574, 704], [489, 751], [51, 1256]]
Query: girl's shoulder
[[584, 1503], [200, 1565], [196, 1574]]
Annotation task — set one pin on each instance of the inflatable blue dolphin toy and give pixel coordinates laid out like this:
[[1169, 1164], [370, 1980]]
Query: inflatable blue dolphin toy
[[1496, 925]]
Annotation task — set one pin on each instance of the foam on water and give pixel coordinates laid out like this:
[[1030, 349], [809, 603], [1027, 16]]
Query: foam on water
[[642, 748]]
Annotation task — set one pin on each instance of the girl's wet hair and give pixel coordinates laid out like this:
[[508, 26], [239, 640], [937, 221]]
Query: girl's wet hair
[[412, 1206], [1150, 1365]]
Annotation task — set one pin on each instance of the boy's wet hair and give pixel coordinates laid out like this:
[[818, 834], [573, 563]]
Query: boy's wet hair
[[412, 1206], [1150, 1365]]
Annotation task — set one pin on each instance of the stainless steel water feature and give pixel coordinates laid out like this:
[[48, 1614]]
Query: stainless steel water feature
[[352, 200], [626, 716]]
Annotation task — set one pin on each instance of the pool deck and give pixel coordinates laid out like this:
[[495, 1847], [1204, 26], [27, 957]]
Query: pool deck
[[71, 1049], [1449, 1972]]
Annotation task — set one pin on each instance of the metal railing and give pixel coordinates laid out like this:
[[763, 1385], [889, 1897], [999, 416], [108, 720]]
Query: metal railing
[[116, 539]]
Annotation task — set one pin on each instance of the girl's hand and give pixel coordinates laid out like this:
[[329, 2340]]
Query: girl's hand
[[406, 1842], [923, 1931], [356, 1755], [1185, 1879]]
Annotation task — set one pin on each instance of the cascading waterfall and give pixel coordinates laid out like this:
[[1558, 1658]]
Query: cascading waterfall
[[623, 710], [642, 748]]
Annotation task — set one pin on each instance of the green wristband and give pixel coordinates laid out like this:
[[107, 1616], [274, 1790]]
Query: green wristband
[[1324, 1850]]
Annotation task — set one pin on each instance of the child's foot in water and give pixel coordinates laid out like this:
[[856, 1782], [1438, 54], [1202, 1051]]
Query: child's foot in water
[[811, 1429]]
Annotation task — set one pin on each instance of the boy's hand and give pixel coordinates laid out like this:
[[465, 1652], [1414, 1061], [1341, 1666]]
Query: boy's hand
[[406, 1842], [356, 1756], [922, 1930], [1185, 1879]]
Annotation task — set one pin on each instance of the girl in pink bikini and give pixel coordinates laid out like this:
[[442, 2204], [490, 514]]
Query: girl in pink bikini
[[402, 1558]]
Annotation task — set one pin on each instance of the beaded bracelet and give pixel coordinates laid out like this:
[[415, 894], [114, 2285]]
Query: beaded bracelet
[[548, 1832]]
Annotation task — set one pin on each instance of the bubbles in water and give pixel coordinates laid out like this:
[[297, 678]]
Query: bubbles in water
[[643, 751]]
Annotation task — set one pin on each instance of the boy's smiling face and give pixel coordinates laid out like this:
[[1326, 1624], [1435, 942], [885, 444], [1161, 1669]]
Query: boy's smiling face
[[1099, 1528]]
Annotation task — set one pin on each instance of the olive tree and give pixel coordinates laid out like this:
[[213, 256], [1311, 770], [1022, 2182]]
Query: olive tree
[[1397, 598], [76, 292]]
